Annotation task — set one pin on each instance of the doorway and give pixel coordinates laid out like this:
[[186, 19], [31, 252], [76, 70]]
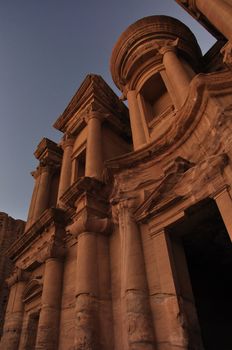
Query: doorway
[[208, 253]]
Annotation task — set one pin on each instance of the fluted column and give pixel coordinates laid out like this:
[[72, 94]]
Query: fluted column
[[224, 203], [137, 323], [176, 72], [66, 168], [49, 318], [42, 197], [138, 133], [14, 312], [94, 154], [218, 12]]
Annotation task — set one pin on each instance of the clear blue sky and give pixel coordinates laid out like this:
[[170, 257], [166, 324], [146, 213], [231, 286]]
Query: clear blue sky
[[47, 48]]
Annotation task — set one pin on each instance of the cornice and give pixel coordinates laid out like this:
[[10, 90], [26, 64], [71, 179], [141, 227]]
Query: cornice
[[52, 216], [82, 185], [191, 8], [197, 182], [48, 151], [202, 88]]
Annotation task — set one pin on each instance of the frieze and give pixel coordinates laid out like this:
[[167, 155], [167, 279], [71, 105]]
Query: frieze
[[52, 216], [200, 181], [18, 275]]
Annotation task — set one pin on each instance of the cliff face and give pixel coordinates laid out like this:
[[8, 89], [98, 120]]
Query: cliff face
[[10, 230]]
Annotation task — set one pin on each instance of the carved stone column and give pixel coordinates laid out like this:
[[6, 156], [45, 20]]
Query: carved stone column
[[42, 197], [94, 155], [36, 175], [224, 203], [49, 318], [137, 323], [175, 70], [87, 229], [66, 168], [14, 312], [138, 133], [218, 12]]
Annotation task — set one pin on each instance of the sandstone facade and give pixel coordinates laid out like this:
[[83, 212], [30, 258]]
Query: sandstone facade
[[10, 230], [127, 242]]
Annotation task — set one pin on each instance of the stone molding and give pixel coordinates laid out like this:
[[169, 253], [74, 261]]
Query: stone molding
[[198, 182], [18, 275], [51, 249], [94, 95], [33, 289], [84, 184], [52, 216]]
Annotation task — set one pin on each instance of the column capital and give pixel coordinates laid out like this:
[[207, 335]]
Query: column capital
[[68, 140], [18, 275], [90, 223], [51, 250], [94, 115], [167, 46]]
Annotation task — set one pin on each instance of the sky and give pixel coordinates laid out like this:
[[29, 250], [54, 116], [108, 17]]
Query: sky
[[47, 47]]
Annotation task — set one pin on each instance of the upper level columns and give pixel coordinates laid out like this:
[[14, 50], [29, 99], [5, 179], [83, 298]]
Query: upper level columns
[[66, 167], [138, 134], [176, 72], [94, 156], [42, 196], [218, 12]]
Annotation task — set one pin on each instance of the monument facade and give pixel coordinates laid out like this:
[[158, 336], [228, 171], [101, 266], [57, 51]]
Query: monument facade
[[127, 243]]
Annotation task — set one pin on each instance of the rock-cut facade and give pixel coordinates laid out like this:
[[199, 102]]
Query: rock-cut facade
[[127, 244]]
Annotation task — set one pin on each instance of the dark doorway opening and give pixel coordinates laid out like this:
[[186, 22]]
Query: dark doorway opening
[[208, 252]]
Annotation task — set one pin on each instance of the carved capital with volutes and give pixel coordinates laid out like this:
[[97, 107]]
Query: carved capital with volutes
[[99, 115], [90, 223], [18, 275], [167, 46], [52, 249], [67, 141]]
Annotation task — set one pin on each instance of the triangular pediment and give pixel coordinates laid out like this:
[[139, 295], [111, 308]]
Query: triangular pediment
[[94, 94]]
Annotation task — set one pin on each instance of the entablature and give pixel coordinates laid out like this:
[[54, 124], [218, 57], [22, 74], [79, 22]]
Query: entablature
[[48, 151], [50, 217]]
